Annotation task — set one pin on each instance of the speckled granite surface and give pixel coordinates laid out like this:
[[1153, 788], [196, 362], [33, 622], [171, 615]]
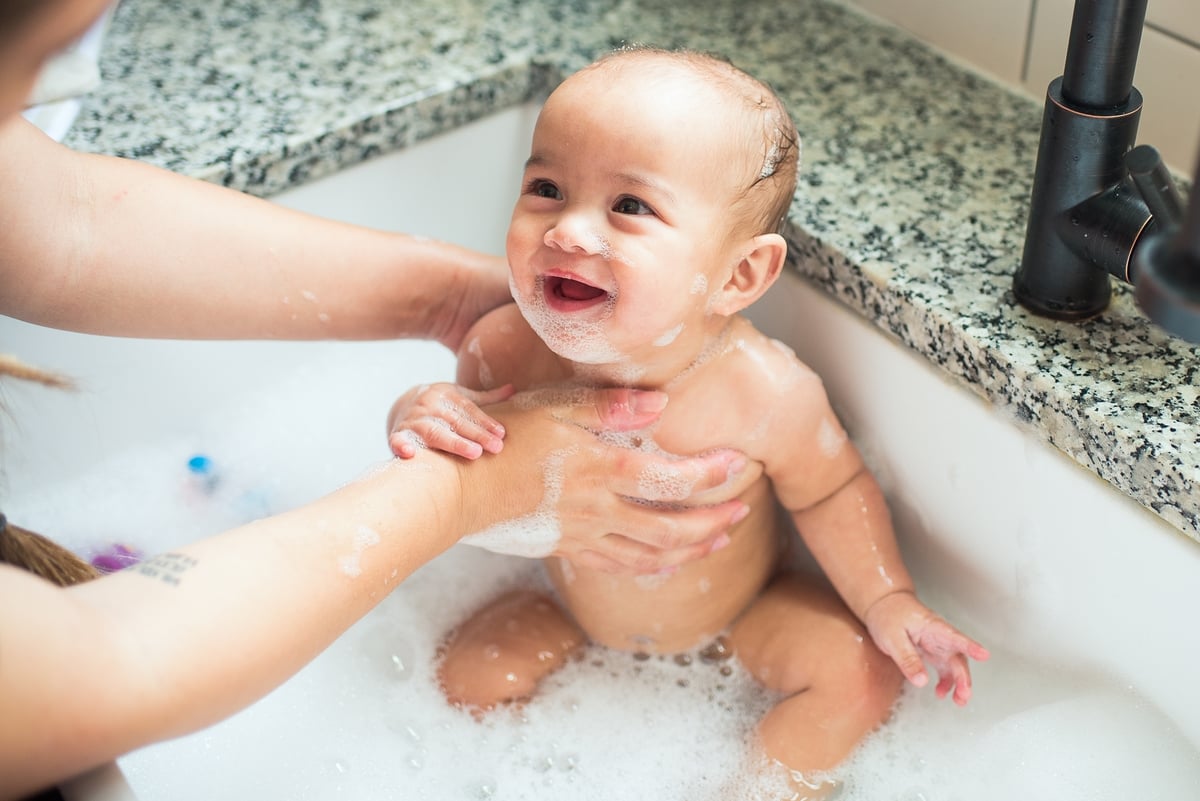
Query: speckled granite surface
[[912, 199]]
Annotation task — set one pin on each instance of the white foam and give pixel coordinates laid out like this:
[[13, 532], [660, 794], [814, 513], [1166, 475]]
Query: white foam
[[366, 719], [485, 371], [830, 439], [663, 482], [534, 535], [584, 341], [364, 538], [669, 336]]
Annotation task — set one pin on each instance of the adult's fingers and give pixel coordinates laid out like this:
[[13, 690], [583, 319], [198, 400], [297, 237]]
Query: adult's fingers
[[616, 553], [656, 477], [640, 474], [617, 409]]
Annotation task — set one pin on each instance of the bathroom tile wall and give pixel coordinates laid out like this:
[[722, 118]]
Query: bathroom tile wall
[[1023, 43]]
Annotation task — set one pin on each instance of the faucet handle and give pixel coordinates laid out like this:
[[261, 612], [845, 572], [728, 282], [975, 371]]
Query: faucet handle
[[1167, 265], [1154, 182]]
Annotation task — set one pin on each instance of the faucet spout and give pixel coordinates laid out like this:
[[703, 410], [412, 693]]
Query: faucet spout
[[1102, 52]]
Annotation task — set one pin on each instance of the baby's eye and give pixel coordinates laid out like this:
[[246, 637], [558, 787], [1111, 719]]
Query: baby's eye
[[541, 188], [631, 205]]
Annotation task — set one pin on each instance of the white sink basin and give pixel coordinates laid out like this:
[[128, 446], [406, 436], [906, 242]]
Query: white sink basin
[[1082, 595]]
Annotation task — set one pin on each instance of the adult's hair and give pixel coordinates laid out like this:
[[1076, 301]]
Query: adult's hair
[[23, 548]]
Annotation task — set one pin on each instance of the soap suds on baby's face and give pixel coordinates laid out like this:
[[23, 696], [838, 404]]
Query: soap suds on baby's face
[[584, 341]]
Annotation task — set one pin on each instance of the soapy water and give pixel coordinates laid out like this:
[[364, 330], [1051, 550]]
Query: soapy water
[[365, 720]]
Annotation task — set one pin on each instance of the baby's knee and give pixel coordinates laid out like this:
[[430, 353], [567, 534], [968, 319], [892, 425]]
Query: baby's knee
[[470, 679], [501, 654]]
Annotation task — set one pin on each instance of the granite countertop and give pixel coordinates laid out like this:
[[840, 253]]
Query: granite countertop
[[911, 206]]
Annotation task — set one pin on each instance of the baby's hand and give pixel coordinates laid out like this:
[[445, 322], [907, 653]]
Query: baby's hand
[[909, 632], [446, 417]]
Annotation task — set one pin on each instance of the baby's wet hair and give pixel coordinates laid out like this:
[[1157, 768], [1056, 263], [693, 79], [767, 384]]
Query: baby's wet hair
[[766, 196]]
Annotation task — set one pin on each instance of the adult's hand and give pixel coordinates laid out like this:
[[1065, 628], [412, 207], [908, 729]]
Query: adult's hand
[[561, 486]]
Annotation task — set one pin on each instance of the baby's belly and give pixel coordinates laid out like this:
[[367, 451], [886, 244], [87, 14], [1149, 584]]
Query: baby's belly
[[667, 614]]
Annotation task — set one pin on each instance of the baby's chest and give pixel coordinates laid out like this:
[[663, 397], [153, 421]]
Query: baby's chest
[[713, 415]]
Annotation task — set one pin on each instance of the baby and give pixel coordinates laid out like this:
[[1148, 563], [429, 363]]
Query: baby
[[648, 219]]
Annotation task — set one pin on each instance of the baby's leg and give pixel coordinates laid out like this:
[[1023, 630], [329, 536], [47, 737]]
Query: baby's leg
[[503, 651], [798, 638]]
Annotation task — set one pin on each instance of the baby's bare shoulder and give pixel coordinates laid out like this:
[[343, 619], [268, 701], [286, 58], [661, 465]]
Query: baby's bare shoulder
[[768, 369], [501, 349]]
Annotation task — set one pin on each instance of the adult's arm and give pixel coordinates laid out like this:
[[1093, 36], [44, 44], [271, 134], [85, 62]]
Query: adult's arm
[[156, 651], [114, 246]]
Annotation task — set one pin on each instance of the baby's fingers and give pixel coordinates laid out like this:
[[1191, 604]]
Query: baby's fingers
[[475, 399], [955, 676], [908, 659], [462, 436], [904, 653]]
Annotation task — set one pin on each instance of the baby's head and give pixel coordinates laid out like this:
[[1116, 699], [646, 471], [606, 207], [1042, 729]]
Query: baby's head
[[651, 203], [761, 148]]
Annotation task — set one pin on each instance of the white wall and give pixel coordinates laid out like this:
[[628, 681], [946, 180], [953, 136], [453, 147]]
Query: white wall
[[1024, 43]]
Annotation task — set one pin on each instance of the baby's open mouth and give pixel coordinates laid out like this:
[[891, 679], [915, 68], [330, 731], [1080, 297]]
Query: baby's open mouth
[[569, 294]]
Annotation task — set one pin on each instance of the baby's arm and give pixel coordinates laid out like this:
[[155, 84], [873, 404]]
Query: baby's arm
[[842, 515], [446, 417]]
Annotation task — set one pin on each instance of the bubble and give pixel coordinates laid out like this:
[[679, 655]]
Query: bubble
[[663, 482], [534, 535], [392, 658], [364, 537], [570, 336], [668, 336], [486, 379], [830, 439]]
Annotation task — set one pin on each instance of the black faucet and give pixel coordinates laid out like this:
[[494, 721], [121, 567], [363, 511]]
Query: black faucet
[[1101, 206]]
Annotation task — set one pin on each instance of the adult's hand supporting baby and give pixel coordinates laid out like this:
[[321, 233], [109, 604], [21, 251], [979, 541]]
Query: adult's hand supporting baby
[[554, 465], [909, 632]]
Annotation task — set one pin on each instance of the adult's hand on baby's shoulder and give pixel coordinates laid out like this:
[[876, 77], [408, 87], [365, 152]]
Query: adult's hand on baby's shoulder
[[911, 634], [606, 496]]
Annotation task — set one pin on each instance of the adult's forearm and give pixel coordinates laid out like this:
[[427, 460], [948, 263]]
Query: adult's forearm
[[188, 638], [113, 246]]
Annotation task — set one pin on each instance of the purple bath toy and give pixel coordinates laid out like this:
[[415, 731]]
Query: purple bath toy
[[115, 557]]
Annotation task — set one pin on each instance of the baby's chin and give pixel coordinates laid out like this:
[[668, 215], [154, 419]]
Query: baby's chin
[[582, 347], [581, 340]]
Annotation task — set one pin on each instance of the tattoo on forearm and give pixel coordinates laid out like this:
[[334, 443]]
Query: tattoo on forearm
[[167, 567]]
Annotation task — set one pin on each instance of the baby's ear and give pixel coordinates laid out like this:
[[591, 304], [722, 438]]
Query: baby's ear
[[752, 275]]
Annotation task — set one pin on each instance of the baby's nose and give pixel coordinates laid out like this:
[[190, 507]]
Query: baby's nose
[[573, 233]]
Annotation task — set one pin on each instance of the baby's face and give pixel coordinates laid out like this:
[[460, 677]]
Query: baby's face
[[622, 230]]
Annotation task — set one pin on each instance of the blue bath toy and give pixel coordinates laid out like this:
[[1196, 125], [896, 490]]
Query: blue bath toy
[[204, 472]]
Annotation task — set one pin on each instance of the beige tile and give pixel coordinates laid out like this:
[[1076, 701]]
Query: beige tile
[[1181, 17], [1048, 46], [1166, 74], [984, 33]]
